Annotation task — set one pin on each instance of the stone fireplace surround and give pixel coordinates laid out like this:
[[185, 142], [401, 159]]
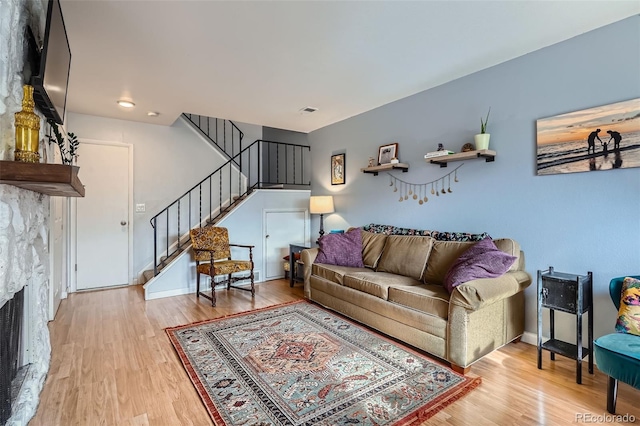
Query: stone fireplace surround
[[24, 215]]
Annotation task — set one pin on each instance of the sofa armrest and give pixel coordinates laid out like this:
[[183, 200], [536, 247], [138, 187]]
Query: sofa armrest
[[475, 294], [307, 257]]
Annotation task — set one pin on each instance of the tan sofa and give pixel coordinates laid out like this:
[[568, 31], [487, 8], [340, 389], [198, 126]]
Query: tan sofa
[[400, 292]]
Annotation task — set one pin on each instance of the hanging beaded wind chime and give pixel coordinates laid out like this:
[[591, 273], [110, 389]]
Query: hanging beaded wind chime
[[418, 191]]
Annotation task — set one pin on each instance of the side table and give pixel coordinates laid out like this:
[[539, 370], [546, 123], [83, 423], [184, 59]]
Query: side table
[[293, 270], [573, 294]]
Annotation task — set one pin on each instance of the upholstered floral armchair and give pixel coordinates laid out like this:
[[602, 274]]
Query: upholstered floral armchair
[[212, 252]]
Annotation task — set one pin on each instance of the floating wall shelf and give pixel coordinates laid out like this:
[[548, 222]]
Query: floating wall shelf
[[487, 154], [51, 179], [376, 169]]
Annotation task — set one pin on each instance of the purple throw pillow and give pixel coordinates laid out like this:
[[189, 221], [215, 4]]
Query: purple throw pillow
[[481, 260], [341, 249]]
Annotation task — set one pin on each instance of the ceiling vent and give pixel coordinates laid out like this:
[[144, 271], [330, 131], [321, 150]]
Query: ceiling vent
[[308, 110]]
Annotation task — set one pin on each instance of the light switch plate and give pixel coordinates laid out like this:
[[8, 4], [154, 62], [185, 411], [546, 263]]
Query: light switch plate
[[141, 208]]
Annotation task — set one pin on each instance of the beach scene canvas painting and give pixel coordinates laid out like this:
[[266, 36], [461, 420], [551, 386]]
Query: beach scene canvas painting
[[600, 138]]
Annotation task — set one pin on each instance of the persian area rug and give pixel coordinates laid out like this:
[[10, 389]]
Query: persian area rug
[[298, 364]]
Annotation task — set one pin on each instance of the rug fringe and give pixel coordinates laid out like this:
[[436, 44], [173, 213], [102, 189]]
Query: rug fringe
[[422, 415], [416, 418]]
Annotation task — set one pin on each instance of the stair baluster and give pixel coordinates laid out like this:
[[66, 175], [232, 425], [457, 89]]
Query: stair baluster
[[253, 172]]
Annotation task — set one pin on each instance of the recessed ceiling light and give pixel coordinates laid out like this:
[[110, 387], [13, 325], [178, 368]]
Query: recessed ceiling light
[[126, 104], [153, 114]]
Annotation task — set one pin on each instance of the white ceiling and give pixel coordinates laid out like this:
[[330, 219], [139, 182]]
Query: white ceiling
[[260, 62]]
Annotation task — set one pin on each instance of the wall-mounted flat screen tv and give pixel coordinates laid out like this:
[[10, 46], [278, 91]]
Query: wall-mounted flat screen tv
[[51, 82]]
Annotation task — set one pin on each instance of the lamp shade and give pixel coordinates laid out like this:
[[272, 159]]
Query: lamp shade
[[321, 204]]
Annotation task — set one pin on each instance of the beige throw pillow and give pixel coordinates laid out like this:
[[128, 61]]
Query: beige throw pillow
[[445, 253], [372, 245], [405, 255], [442, 256]]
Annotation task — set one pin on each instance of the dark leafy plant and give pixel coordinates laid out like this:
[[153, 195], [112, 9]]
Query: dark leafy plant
[[483, 124], [67, 157]]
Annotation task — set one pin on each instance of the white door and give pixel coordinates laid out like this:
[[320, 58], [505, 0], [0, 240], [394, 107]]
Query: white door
[[56, 254], [103, 216], [281, 229]]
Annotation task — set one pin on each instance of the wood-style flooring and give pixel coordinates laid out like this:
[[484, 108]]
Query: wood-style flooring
[[112, 364]]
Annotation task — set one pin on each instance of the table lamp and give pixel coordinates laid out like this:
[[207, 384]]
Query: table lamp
[[321, 205]]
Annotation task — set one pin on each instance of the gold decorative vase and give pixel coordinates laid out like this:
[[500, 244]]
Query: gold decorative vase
[[27, 130]]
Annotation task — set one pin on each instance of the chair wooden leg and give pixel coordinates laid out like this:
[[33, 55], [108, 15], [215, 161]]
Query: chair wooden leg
[[612, 394], [253, 290], [228, 281], [213, 292], [197, 285]]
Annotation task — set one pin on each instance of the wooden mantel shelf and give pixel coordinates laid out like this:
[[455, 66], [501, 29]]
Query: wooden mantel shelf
[[50, 179]]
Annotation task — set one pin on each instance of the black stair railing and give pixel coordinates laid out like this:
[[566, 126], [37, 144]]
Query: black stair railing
[[223, 134], [263, 164]]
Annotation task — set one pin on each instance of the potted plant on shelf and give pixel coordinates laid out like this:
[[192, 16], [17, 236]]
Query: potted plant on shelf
[[482, 139], [67, 157]]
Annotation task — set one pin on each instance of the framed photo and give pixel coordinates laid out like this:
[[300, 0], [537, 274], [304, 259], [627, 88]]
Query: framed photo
[[337, 169], [601, 138], [386, 153]]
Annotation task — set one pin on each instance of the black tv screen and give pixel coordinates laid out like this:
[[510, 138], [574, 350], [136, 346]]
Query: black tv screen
[[51, 82]]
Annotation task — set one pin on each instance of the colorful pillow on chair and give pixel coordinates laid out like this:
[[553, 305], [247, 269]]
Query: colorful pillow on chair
[[629, 313]]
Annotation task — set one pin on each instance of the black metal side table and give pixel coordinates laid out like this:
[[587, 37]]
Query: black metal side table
[[293, 265], [572, 294]]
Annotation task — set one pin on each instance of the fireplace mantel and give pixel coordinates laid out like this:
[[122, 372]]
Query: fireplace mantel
[[51, 179]]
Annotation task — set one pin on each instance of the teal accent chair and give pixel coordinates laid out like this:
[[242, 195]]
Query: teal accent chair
[[618, 354]]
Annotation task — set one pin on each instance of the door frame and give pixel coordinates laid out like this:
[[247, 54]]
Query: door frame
[[64, 266], [307, 231], [73, 216]]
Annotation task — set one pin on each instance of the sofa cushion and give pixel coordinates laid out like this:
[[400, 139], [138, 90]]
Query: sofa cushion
[[481, 260], [372, 245], [341, 249], [376, 283], [427, 298], [511, 247], [405, 255], [442, 256], [444, 253], [334, 273]]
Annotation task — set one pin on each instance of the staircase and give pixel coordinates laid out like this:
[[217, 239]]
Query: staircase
[[260, 165]]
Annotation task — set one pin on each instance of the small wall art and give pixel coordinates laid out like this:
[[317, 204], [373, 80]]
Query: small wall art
[[337, 169], [386, 153], [601, 138]]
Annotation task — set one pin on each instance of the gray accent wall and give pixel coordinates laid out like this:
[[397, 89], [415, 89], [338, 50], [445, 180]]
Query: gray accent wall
[[575, 222], [275, 161]]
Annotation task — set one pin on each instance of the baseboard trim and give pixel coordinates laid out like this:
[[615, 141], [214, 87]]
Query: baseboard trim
[[182, 291], [530, 338], [169, 293]]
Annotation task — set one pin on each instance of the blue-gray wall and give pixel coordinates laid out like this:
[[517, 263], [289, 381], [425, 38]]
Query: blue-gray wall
[[575, 222], [296, 159]]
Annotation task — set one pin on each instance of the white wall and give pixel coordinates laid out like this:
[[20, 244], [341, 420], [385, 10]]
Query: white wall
[[167, 162], [245, 225]]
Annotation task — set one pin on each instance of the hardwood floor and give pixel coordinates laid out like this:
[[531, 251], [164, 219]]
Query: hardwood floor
[[112, 364]]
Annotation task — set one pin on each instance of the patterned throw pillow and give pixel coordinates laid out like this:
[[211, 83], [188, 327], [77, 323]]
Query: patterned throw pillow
[[436, 235], [629, 313], [341, 249], [481, 260]]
